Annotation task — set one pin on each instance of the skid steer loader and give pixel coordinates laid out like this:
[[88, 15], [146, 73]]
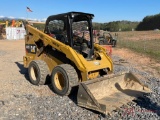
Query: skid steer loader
[[65, 52]]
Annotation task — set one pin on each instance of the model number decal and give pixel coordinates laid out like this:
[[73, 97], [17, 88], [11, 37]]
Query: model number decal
[[30, 48]]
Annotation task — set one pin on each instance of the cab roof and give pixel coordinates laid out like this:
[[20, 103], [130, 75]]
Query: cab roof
[[63, 15]]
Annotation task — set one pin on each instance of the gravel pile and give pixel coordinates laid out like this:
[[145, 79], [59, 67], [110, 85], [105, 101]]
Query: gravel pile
[[19, 100], [144, 108], [43, 108]]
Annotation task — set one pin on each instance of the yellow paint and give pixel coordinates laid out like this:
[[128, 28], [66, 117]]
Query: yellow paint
[[87, 69]]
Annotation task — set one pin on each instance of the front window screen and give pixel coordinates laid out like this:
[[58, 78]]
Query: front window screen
[[58, 31], [56, 26], [81, 30]]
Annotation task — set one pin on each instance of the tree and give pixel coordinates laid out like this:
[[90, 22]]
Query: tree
[[149, 23]]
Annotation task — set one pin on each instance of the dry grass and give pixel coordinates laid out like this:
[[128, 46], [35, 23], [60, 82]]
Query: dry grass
[[145, 42]]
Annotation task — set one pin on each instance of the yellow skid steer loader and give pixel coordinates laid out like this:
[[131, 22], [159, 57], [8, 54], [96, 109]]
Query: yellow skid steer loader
[[65, 52]]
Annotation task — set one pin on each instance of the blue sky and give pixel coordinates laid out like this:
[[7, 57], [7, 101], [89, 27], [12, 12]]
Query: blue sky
[[104, 10]]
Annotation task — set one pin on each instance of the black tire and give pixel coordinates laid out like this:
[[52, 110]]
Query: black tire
[[38, 72], [101, 42], [114, 43], [63, 78]]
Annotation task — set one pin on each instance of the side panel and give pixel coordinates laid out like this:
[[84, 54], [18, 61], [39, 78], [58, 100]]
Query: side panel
[[30, 49]]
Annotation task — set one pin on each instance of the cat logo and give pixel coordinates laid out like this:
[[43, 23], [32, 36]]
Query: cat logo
[[33, 49]]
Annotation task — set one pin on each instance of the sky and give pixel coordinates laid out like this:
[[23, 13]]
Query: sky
[[103, 10]]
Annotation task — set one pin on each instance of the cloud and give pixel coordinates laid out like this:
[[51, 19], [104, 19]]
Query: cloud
[[22, 18], [2, 16], [11, 17], [34, 19], [44, 19]]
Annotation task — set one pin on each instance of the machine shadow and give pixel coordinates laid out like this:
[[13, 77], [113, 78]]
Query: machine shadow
[[150, 106], [73, 94], [73, 97], [143, 101], [22, 70]]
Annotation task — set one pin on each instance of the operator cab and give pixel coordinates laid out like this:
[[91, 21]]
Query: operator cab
[[73, 29]]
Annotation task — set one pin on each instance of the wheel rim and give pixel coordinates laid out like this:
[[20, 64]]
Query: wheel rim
[[59, 80], [34, 73]]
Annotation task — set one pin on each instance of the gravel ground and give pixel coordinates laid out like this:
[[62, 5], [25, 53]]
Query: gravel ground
[[21, 100]]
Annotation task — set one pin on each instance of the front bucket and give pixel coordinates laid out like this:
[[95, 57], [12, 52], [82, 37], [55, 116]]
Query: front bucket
[[109, 93]]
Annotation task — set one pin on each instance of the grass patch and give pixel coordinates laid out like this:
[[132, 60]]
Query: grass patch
[[147, 47]]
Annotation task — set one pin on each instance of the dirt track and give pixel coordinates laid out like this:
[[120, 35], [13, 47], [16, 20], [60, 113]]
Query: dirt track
[[12, 70], [139, 61], [13, 79]]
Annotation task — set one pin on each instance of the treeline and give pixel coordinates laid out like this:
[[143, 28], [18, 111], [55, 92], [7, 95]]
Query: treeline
[[111, 26], [150, 23], [39, 26], [116, 26]]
